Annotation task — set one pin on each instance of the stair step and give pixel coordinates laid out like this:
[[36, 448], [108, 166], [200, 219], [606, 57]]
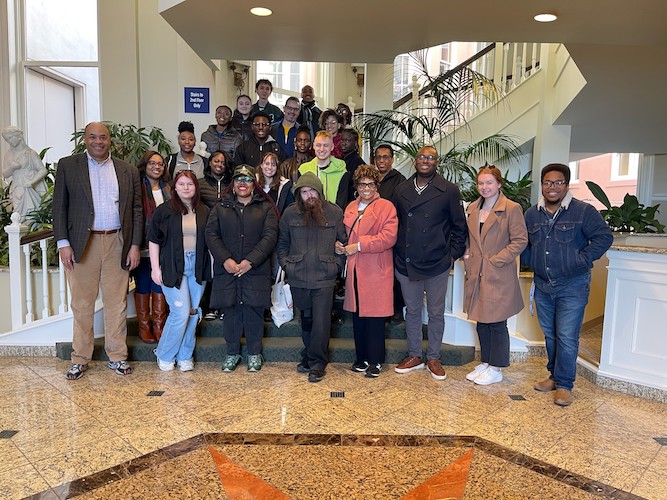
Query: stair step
[[339, 329], [276, 349]]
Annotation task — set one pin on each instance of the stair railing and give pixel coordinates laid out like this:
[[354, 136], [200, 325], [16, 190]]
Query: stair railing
[[21, 276]]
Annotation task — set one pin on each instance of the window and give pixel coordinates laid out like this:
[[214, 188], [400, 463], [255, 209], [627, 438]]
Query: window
[[624, 166], [61, 79], [287, 78], [574, 172]]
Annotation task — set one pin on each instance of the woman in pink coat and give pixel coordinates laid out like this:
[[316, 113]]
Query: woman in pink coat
[[372, 226], [496, 236]]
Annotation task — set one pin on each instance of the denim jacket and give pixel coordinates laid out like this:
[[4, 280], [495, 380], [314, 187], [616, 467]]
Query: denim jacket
[[566, 245]]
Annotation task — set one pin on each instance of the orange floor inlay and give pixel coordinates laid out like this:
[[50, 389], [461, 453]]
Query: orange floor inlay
[[241, 484], [449, 483]]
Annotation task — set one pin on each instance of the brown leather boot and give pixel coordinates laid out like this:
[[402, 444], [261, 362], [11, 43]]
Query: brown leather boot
[[141, 303], [159, 314]]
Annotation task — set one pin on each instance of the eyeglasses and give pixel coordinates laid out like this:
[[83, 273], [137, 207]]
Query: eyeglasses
[[549, 184], [382, 157], [292, 108], [155, 164], [366, 185], [243, 180], [427, 157], [260, 125]]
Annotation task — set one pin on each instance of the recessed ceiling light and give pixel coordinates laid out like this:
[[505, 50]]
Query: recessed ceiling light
[[261, 11], [546, 17]]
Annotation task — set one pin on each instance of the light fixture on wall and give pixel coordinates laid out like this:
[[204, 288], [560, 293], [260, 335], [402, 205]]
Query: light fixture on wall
[[546, 17], [360, 80], [240, 76]]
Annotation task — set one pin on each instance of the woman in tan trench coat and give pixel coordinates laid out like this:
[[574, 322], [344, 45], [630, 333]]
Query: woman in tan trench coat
[[497, 235]]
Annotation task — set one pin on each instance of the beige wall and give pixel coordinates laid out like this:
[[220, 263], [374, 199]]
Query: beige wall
[[145, 65]]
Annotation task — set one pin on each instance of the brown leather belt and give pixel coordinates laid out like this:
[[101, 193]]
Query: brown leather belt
[[108, 231]]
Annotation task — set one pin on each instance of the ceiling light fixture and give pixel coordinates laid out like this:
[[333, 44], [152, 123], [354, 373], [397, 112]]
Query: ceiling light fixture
[[546, 17], [261, 11]]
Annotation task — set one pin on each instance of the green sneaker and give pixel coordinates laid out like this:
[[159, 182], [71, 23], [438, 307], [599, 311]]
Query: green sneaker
[[254, 362], [231, 362]]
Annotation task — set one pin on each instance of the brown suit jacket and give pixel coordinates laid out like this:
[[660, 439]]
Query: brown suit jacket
[[492, 292], [73, 210]]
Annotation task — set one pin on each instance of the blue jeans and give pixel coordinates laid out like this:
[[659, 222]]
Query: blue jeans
[[142, 278], [560, 311], [178, 337]]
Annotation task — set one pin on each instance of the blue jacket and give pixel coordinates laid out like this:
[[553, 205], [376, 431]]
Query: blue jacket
[[286, 143], [566, 245]]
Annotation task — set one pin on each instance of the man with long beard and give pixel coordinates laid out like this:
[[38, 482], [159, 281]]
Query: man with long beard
[[309, 230]]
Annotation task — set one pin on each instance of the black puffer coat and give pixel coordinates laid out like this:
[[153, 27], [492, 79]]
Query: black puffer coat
[[240, 232]]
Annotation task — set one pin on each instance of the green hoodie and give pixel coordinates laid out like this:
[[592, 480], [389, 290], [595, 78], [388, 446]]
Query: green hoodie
[[329, 176]]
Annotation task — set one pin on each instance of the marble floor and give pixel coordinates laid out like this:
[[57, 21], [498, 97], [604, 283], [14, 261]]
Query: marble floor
[[346, 437], [590, 344]]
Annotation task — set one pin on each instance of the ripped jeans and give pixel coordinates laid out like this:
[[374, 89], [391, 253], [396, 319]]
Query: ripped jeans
[[178, 336]]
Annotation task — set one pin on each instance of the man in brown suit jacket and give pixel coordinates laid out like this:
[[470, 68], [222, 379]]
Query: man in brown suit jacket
[[98, 223]]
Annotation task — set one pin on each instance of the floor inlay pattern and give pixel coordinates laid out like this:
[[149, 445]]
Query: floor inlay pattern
[[303, 466]]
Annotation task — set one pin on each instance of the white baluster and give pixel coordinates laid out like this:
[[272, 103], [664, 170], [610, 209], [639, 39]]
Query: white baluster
[[518, 72], [46, 310], [536, 53], [29, 317], [17, 270], [524, 60]]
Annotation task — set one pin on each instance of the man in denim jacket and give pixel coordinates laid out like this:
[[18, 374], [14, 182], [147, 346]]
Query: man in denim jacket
[[566, 236]]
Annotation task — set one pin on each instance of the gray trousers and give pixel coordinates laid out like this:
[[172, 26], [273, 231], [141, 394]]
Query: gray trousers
[[413, 295]]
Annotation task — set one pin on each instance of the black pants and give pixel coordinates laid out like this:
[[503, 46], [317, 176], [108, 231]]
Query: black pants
[[494, 342], [315, 306], [240, 319], [369, 339]]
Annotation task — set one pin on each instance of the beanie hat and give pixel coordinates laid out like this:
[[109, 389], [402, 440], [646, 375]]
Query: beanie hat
[[310, 180]]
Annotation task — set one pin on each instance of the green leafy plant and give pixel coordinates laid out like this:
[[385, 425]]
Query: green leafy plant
[[129, 142], [631, 216], [435, 119]]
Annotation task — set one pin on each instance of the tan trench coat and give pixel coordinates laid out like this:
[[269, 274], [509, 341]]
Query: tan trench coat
[[492, 292]]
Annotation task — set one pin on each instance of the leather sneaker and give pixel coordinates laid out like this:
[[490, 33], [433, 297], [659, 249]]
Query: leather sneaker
[[435, 367], [563, 397], [476, 372], [315, 375], [410, 363], [545, 385], [489, 376]]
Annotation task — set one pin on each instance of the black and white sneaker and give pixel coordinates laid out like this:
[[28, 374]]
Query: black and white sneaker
[[374, 370], [360, 366], [120, 367], [211, 315], [75, 371]]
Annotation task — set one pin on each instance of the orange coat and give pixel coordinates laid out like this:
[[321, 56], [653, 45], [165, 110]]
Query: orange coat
[[492, 292], [374, 264]]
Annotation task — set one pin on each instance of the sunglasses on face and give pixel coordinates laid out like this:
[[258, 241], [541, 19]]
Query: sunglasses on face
[[243, 180]]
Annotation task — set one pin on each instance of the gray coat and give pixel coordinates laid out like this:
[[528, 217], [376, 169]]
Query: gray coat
[[307, 253]]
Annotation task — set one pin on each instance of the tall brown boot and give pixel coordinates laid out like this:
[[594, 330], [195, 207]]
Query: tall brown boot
[[141, 303], [159, 313]]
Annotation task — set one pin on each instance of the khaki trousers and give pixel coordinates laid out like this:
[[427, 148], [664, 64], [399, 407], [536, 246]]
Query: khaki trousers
[[99, 268]]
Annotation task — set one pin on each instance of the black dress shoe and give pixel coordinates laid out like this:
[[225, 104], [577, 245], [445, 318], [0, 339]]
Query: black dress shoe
[[315, 375], [303, 368]]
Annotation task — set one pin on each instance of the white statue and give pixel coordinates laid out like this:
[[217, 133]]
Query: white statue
[[24, 168], [203, 152]]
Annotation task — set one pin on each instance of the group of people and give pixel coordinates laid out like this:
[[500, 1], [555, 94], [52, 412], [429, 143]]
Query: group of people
[[248, 213]]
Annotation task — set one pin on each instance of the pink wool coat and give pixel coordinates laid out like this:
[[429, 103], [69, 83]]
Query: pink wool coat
[[492, 292], [374, 264]]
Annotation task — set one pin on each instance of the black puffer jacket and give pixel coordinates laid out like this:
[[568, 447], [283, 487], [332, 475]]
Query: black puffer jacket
[[240, 232]]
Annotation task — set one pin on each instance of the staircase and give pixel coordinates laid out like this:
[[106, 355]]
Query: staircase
[[281, 344]]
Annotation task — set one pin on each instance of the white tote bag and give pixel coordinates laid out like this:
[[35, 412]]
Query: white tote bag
[[282, 307]]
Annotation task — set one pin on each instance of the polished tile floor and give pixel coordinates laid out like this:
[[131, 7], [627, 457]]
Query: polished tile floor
[[73, 430]]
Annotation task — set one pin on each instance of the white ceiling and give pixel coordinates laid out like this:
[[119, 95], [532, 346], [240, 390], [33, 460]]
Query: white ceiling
[[621, 50]]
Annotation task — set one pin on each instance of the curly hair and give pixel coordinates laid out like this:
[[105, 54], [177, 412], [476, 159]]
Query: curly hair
[[366, 172]]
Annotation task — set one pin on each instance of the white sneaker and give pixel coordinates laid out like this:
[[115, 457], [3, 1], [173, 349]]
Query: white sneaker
[[476, 372], [186, 366], [489, 376]]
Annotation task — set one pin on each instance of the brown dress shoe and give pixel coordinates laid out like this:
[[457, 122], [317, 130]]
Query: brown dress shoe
[[563, 397], [545, 385], [435, 368]]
